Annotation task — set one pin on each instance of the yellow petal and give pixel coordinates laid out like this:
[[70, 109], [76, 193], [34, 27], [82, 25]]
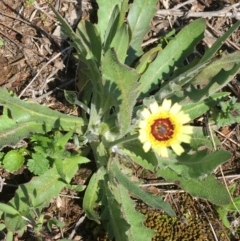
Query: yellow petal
[[145, 113], [175, 109], [182, 117], [187, 129], [142, 124], [166, 105], [177, 148], [184, 138], [146, 146], [142, 136], [162, 151], [154, 107]]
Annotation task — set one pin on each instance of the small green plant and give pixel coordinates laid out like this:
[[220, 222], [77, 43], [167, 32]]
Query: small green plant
[[135, 104], [227, 113], [1, 42], [229, 214], [29, 2]]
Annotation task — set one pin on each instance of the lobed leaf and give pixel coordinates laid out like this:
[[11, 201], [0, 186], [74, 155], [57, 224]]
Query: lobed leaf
[[220, 80], [137, 230], [197, 109], [38, 193], [209, 188], [23, 112], [172, 56], [201, 163], [153, 201], [134, 150], [112, 217]]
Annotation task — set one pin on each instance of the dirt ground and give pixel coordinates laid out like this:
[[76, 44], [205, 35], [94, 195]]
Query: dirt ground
[[36, 64]]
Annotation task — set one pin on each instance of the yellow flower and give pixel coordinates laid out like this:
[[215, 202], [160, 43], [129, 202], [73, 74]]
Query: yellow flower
[[163, 126]]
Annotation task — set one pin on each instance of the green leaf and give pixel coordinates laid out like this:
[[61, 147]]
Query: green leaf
[[120, 42], [2, 226], [176, 85], [134, 150], [201, 163], [136, 230], [8, 209], [92, 195], [9, 236], [229, 113], [146, 59], [112, 28], [172, 56], [201, 141], [75, 41], [153, 201], [55, 222], [215, 76], [111, 217], [38, 165], [12, 136], [13, 160], [209, 188], [32, 118], [197, 109], [103, 18], [23, 111], [38, 193], [90, 39], [219, 42], [5, 121], [139, 18], [120, 83]]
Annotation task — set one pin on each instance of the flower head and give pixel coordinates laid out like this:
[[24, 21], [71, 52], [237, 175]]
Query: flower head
[[163, 126]]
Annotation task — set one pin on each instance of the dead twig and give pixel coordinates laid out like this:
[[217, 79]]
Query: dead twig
[[230, 12], [51, 60]]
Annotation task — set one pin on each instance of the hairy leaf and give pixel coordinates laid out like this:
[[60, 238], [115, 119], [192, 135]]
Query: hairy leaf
[[139, 17], [12, 136], [112, 217], [202, 140], [28, 118], [90, 38], [197, 109], [103, 18], [201, 163], [23, 111], [153, 201], [120, 42], [218, 43], [209, 188], [172, 56], [120, 83], [215, 76], [92, 195], [135, 151], [137, 231]]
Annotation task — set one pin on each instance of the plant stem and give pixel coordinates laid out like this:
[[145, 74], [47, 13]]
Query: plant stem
[[121, 140]]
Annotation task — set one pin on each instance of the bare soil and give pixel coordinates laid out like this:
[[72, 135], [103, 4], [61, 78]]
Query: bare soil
[[33, 68]]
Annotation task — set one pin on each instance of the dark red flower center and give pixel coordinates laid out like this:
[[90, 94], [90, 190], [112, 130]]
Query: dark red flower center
[[162, 129]]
